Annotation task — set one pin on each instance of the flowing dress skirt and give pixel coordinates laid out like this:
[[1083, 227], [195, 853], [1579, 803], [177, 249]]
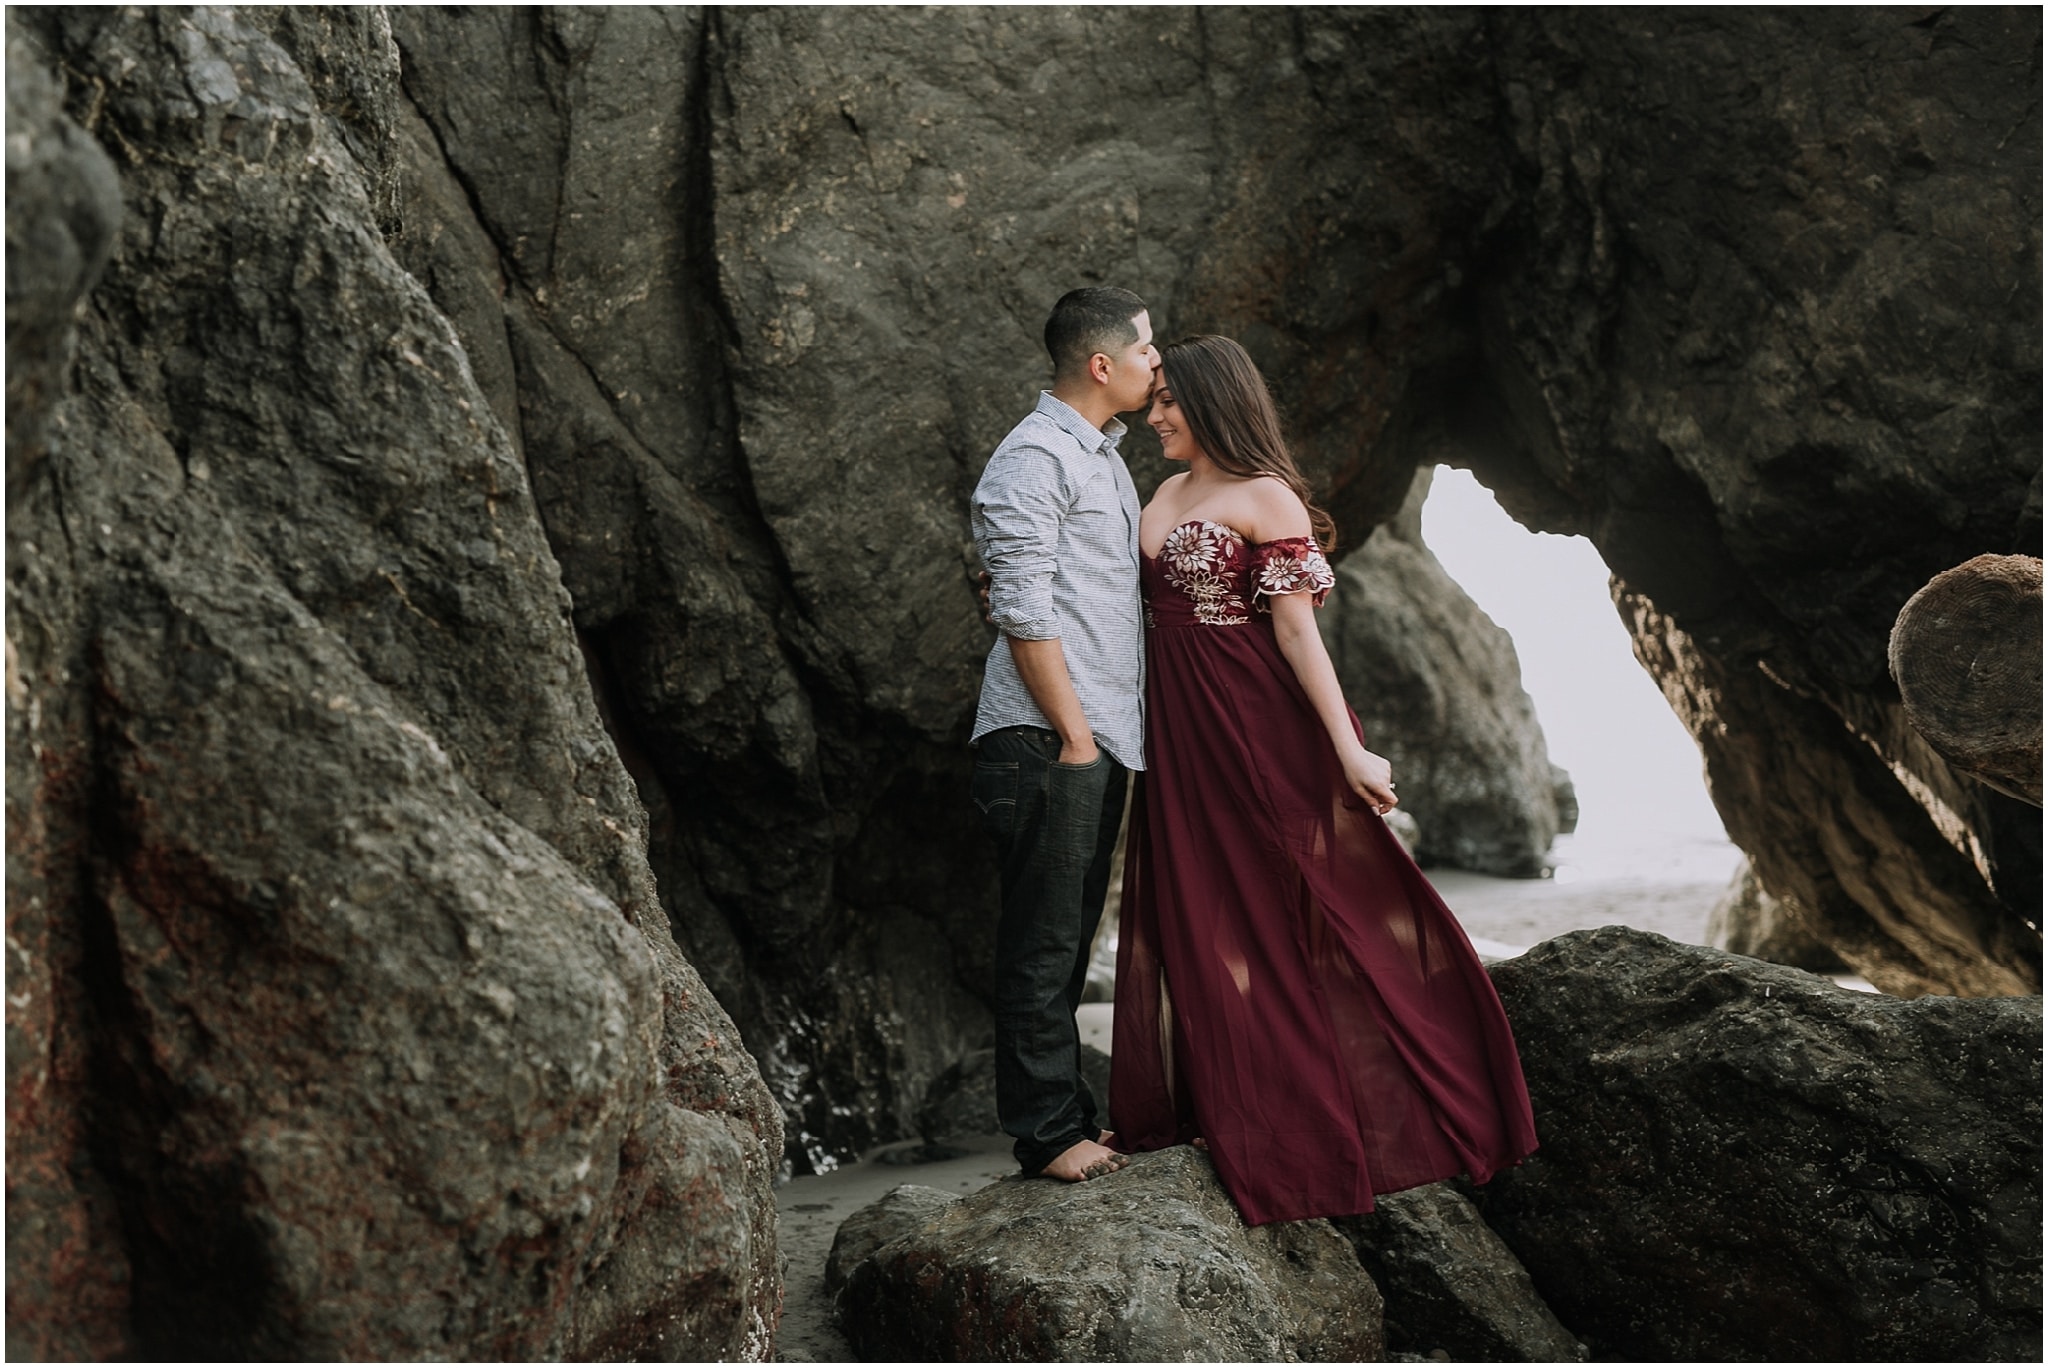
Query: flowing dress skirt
[[1289, 986]]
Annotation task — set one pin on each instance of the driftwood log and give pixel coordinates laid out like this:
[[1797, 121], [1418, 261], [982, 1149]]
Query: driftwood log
[[1966, 652]]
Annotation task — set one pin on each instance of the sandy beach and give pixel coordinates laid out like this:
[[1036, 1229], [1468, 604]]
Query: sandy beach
[[1655, 882]]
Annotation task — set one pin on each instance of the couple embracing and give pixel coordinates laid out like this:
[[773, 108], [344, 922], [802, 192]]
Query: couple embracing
[[1290, 991]]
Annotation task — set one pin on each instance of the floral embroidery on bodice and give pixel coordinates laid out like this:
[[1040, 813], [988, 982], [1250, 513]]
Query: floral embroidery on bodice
[[1223, 579], [1201, 560]]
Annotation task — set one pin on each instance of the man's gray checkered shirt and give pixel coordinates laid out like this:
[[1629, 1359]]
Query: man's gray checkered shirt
[[1056, 521]]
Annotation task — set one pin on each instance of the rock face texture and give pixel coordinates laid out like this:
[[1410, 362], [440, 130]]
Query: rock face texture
[[1749, 921], [503, 374], [1743, 1161], [343, 1018], [67, 1293], [1451, 1286], [1150, 1263], [1439, 692], [790, 701], [1832, 830]]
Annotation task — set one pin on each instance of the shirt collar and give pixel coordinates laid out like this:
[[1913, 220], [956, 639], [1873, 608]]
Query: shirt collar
[[1080, 429]]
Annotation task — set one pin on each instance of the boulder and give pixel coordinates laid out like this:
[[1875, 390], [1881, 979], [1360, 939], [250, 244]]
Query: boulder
[[1451, 1286], [345, 1021], [1966, 652], [1438, 691], [901, 1211], [1749, 921], [1743, 1161], [1151, 1263]]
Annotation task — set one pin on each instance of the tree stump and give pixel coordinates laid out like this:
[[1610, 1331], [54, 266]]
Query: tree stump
[[1966, 652]]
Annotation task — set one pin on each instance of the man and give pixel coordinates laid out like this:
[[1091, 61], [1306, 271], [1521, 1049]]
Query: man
[[1055, 518]]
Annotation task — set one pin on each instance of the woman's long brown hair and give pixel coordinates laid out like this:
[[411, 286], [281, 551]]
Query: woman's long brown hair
[[1229, 412]]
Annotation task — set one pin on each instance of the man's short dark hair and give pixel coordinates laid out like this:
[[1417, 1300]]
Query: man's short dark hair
[[1094, 318]]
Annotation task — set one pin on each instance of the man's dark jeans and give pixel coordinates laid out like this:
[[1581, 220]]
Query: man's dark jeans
[[1055, 827]]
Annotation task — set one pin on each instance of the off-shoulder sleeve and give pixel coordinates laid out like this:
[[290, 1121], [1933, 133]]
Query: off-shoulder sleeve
[[1292, 565]]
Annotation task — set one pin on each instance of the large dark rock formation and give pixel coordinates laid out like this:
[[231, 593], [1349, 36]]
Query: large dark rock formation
[[1773, 343], [1832, 829], [788, 713], [740, 300], [1438, 691], [67, 1290], [343, 1019], [1151, 1263], [760, 289], [1743, 1161]]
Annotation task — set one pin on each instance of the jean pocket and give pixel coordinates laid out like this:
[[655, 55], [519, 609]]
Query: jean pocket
[[994, 791]]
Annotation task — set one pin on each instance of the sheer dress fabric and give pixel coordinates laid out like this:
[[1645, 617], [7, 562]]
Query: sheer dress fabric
[[1289, 986]]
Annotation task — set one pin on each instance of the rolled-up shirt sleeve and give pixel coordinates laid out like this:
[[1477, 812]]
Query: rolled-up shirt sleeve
[[1018, 509]]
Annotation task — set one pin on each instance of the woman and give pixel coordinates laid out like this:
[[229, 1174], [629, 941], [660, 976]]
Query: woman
[[1289, 987]]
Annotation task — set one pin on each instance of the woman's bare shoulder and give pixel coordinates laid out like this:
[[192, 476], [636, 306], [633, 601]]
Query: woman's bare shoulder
[[1273, 510]]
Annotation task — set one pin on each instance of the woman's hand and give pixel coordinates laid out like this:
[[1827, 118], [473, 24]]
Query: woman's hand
[[1371, 778]]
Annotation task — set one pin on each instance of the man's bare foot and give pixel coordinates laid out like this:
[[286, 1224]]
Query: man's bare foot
[[1199, 1143], [1085, 1159], [1106, 1138]]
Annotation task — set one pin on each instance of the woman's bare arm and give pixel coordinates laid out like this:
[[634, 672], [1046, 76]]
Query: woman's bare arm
[[1294, 627], [1273, 513]]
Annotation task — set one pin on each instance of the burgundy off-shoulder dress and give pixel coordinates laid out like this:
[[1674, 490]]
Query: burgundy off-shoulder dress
[[1288, 985]]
